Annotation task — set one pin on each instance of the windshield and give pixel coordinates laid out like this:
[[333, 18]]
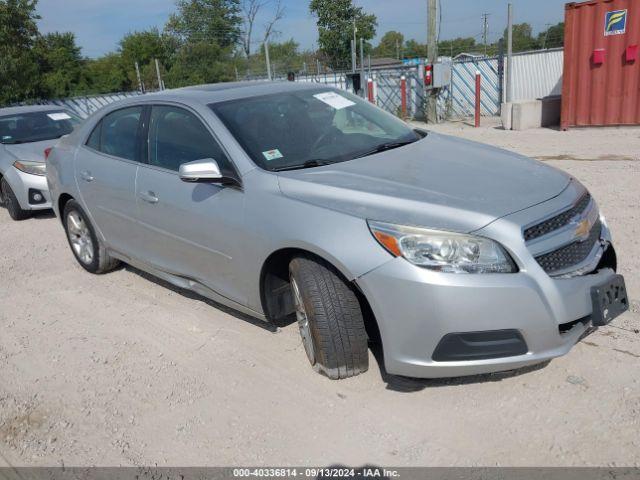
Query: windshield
[[36, 126], [309, 128]]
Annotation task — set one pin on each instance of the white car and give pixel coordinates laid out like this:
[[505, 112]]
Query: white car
[[26, 134]]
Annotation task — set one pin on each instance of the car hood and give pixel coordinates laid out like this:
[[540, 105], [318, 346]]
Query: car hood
[[439, 182], [30, 152]]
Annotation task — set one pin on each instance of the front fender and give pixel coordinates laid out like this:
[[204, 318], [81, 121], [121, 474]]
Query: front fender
[[276, 222]]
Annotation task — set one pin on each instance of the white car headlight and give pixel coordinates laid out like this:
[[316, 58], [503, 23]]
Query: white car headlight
[[441, 251], [32, 168]]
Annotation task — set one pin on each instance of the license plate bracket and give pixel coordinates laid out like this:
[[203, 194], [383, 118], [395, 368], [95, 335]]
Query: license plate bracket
[[610, 300]]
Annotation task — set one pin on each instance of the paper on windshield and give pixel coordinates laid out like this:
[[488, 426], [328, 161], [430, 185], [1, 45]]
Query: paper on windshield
[[58, 116], [334, 100]]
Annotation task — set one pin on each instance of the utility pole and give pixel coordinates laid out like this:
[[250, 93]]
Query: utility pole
[[140, 84], [266, 56], [362, 66], [510, 54], [353, 56], [160, 83], [485, 29], [546, 34], [397, 49], [432, 53], [354, 45]]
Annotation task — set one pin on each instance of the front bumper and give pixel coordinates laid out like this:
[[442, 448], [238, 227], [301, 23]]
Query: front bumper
[[21, 183], [416, 308]]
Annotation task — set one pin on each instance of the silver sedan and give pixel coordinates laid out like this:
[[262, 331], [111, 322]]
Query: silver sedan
[[26, 135], [304, 203]]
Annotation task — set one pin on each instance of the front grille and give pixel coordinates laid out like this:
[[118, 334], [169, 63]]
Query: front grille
[[558, 221], [572, 254]]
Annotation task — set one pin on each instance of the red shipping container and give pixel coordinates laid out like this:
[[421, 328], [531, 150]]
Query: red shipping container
[[601, 81]]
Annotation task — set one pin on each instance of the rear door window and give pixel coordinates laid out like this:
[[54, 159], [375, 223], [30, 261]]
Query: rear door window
[[118, 134]]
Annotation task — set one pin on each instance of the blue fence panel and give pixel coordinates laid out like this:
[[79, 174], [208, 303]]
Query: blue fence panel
[[462, 94]]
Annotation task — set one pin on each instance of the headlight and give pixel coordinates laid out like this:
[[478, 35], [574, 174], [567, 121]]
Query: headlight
[[32, 168], [443, 251]]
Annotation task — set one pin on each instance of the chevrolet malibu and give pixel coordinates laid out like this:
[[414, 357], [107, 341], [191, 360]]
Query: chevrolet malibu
[[25, 134], [301, 202]]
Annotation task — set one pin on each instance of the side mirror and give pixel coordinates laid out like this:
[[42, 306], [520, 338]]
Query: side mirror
[[201, 171]]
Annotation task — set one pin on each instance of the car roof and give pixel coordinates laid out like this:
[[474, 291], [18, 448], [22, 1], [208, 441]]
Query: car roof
[[221, 92], [30, 109]]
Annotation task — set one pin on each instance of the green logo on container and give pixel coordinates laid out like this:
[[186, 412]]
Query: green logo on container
[[615, 22]]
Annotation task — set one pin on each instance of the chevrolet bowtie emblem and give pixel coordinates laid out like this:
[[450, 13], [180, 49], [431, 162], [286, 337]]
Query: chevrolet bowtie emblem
[[583, 229]]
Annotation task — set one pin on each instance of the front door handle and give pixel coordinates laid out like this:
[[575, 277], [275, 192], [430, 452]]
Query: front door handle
[[86, 176], [149, 197]]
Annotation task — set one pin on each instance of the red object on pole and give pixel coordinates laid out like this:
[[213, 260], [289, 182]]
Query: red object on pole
[[428, 75], [478, 94], [370, 91], [403, 95]]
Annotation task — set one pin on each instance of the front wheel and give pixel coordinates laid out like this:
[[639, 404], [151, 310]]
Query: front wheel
[[329, 319], [85, 244], [11, 202]]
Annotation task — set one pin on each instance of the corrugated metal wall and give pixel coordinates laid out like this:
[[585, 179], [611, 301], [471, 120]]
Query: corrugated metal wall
[[602, 68], [537, 74]]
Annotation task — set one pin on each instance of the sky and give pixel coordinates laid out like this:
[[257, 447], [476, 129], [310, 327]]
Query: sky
[[100, 24]]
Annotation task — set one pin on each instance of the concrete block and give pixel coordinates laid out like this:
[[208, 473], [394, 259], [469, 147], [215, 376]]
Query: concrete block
[[526, 115], [536, 113], [506, 115]]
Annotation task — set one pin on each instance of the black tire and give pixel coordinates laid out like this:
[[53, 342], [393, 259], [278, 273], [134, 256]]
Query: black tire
[[100, 261], [11, 202], [335, 319]]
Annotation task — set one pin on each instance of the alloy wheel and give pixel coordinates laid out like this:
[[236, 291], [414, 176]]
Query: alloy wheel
[[80, 237], [303, 323]]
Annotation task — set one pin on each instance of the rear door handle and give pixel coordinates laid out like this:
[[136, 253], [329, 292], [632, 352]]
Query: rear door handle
[[149, 197], [86, 176]]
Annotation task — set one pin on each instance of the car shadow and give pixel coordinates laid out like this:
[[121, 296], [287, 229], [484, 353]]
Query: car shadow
[[270, 327], [400, 384], [394, 382]]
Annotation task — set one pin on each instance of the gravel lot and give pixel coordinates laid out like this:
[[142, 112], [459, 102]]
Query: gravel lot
[[123, 370]]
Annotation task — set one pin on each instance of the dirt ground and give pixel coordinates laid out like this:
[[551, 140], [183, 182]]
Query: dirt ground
[[123, 370]]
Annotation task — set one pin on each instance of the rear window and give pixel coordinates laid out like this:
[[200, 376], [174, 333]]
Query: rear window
[[36, 126], [118, 133]]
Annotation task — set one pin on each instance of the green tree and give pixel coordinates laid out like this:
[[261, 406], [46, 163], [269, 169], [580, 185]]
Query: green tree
[[523, 38], [553, 37], [413, 49], [284, 57], [216, 21], [144, 47], [18, 63], [335, 20], [61, 65], [457, 46], [391, 45], [107, 75], [201, 62]]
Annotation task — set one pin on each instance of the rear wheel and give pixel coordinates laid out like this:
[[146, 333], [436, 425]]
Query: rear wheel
[[329, 319], [11, 202], [85, 245]]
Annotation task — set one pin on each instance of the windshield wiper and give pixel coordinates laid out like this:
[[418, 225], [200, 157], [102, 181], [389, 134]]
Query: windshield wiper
[[384, 147], [307, 164]]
